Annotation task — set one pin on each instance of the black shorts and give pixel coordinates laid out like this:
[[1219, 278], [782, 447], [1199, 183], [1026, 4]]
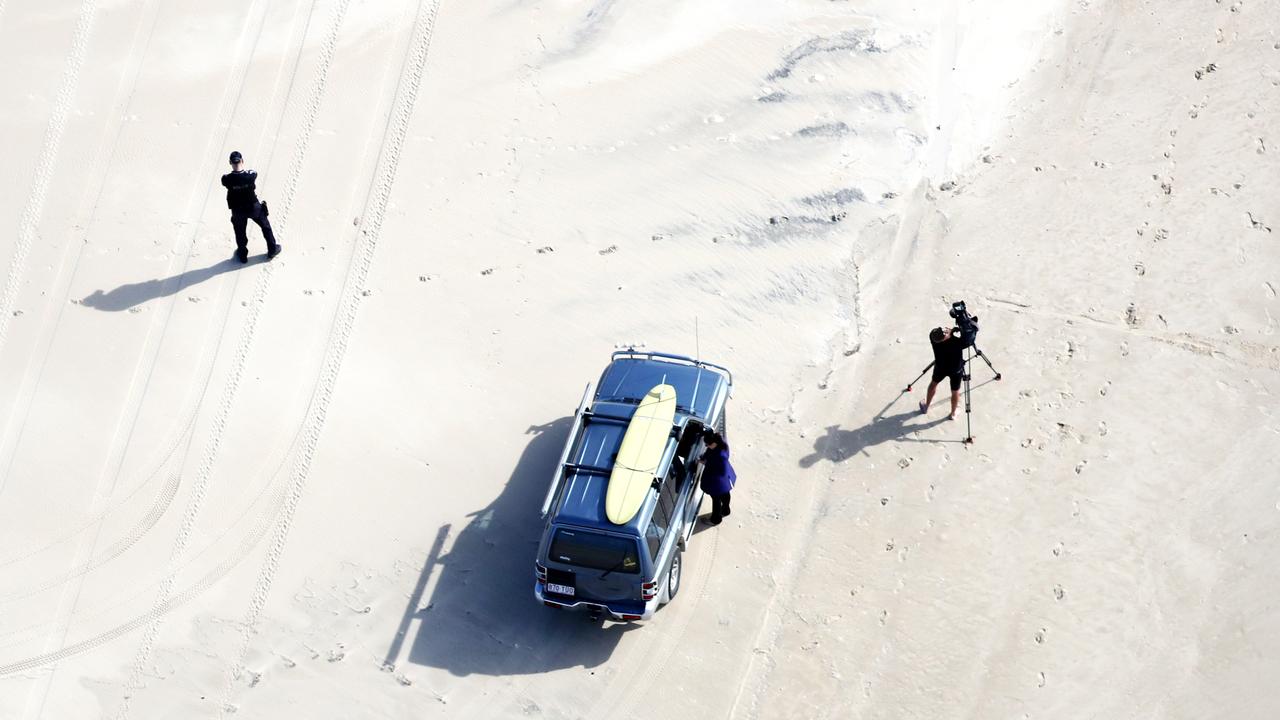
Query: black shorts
[[955, 378]]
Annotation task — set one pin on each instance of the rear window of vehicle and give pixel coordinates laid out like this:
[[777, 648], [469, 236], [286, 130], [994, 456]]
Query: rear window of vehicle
[[594, 550]]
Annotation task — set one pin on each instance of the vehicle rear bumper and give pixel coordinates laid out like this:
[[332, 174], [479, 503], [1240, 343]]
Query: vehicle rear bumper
[[621, 612]]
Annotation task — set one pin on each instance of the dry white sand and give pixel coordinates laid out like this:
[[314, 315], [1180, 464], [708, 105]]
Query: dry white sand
[[310, 488]]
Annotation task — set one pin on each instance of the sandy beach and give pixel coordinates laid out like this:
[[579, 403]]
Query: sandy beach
[[309, 487]]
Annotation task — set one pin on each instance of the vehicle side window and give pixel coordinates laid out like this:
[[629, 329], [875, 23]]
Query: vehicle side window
[[653, 536], [657, 529], [667, 497]]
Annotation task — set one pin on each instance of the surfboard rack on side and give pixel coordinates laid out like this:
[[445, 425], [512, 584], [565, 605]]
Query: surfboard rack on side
[[578, 416], [639, 454]]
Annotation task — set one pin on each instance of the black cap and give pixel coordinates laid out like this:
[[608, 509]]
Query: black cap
[[236, 157]]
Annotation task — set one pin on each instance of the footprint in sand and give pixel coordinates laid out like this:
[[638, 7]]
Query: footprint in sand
[[1040, 636], [1210, 68], [1058, 592], [1131, 317]]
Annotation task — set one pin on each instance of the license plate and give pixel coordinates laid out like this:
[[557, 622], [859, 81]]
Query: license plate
[[561, 589]]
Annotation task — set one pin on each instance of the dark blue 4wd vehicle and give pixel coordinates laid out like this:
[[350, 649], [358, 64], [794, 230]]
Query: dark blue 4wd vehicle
[[627, 571]]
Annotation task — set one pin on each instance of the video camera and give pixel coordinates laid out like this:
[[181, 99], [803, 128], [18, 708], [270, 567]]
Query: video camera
[[967, 323]]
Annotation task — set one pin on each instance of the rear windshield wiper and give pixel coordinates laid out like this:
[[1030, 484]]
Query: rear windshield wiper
[[621, 562]]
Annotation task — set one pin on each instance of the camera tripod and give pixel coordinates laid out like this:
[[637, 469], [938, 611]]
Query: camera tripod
[[968, 406]]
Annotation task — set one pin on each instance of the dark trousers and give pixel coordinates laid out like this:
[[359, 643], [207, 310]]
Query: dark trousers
[[719, 506], [240, 220]]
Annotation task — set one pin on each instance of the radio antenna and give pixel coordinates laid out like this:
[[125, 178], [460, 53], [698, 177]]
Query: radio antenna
[[697, 351]]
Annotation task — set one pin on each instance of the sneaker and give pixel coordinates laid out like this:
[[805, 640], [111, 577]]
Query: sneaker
[[242, 254], [274, 250]]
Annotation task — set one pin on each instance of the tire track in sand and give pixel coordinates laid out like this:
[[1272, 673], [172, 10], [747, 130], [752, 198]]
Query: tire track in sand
[[167, 604], [669, 632], [63, 620], [104, 158], [235, 375], [165, 494], [48, 158], [344, 322]]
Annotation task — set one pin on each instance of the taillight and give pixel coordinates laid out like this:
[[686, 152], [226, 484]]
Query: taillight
[[649, 590], [541, 571], [632, 617]]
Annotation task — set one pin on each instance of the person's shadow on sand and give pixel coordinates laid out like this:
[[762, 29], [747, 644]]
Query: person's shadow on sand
[[134, 294], [840, 445]]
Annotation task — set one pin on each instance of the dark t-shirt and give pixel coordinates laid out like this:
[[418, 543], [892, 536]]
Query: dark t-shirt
[[241, 188], [948, 356]]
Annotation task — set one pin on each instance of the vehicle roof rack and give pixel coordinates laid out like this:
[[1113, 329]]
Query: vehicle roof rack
[[578, 417], [632, 352]]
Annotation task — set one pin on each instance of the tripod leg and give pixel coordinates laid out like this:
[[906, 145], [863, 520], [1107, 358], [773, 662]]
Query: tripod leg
[[922, 372], [968, 407], [983, 355]]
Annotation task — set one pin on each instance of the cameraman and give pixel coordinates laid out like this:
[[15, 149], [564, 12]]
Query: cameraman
[[948, 362]]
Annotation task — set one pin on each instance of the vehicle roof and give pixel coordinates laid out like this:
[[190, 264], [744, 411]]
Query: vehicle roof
[[586, 478], [629, 378], [590, 461]]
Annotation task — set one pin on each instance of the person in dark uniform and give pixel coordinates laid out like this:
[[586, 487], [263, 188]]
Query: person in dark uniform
[[948, 362], [242, 198], [718, 477]]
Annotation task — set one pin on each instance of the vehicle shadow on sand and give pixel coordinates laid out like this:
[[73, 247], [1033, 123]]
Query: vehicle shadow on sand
[[134, 294], [482, 617]]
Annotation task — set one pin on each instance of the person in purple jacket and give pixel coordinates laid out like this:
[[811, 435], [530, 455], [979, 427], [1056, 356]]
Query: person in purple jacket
[[718, 477]]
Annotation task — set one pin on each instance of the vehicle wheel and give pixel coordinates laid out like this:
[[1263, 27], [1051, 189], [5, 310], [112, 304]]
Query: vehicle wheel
[[721, 423], [673, 577]]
